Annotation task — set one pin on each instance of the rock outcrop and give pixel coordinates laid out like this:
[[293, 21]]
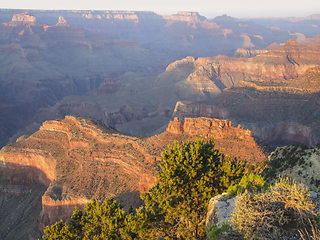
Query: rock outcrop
[[233, 141], [220, 210], [186, 17], [62, 22], [23, 19], [175, 127]]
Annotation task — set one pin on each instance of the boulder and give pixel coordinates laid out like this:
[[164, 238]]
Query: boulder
[[220, 210]]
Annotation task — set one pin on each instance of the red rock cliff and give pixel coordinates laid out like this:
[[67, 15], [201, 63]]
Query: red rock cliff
[[77, 160], [233, 141]]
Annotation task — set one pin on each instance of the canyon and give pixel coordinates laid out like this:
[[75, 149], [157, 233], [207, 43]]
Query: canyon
[[126, 69], [153, 100], [73, 160], [89, 99]]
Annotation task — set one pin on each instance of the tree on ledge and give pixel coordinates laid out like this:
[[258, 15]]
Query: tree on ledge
[[191, 175], [175, 207]]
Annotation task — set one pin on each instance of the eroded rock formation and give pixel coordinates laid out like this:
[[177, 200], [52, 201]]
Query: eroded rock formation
[[186, 17], [277, 112], [41, 64], [22, 19], [233, 141], [208, 77], [76, 160]]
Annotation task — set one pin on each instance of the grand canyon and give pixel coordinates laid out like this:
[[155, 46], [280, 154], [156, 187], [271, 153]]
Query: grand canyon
[[90, 99]]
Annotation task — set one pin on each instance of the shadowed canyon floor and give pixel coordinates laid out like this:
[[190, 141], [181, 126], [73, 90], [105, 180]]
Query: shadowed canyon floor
[[76, 160]]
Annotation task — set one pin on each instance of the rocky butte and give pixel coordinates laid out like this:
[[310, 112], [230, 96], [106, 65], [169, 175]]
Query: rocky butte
[[74, 159], [22, 19], [185, 17]]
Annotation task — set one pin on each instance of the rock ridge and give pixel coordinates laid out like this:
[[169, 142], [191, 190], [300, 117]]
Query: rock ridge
[[23, 18]]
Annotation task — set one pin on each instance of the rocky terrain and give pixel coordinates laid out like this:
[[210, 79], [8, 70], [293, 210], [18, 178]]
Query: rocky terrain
[[69, 161], [298, 163], [41, 64], [181, 34]]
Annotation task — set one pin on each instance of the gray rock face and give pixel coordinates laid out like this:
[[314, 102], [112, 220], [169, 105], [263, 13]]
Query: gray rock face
[[220, 209], [315, 197]]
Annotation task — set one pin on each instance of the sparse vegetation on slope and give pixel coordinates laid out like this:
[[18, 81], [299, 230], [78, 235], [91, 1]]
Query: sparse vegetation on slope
[[297, 162]]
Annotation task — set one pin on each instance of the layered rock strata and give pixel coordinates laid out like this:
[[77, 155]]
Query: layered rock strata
[[233, 141], [277, 112], [76, 160]]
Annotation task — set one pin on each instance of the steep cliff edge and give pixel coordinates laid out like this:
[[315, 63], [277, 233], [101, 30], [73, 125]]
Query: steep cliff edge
[[77, 159]]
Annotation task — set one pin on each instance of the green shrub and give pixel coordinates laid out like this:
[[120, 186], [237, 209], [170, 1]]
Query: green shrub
[[214, 231], [249, 182], [262, 215]]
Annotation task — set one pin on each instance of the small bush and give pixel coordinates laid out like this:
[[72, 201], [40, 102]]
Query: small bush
[[249, 182], [214, 232], [262, 215]]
